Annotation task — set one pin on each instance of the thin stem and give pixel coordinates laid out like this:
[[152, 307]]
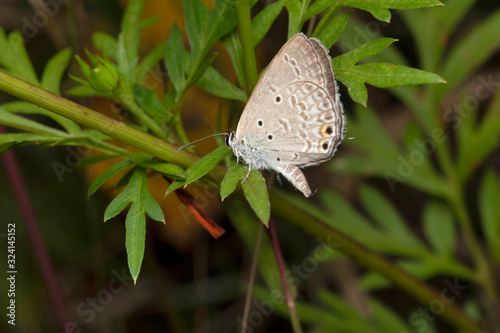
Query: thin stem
[[251, 280], [483, 272], [245, 26], [290, 301]]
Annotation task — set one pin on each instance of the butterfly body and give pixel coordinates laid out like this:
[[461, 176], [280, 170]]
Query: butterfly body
[[294, 117]]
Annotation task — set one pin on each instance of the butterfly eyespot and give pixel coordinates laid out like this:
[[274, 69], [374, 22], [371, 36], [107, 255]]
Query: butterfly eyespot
[[260, 123], [270, 137], [325, 146], [277, 99], [329, 130]]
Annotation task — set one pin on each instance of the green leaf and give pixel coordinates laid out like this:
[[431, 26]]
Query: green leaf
[[214, 83], [385, 214], [233, 176], [15, 58], [174, 186], [148, 62], [137, 193], [381, 75], [135, 239], [255, 191], [54, 70], [439, 228], [196, 16], [233, 47], [201, 70], [262, 22], [489, 210], [332, 32], [16, 121], [168, 169], [149, 102], [203, 166], [471, 52], [175, 58], [110, 172], [106, 43], [223, 20], [89, 160], [8, 141], [130, 28], [380, 9], [296, 11]]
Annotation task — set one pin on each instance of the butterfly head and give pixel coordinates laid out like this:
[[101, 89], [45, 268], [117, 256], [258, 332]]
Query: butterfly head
[[230, 138]]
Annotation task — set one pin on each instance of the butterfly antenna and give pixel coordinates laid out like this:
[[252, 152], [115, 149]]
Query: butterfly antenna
[[206, 137]]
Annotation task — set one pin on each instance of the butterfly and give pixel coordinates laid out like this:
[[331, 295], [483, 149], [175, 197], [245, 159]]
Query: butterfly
[[294, 117]]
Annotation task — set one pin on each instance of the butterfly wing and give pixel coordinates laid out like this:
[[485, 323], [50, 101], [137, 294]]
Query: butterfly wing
[[300, 59], [294, 117]]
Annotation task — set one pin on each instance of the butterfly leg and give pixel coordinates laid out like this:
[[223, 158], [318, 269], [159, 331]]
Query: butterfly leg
[[248, 173], [279, 179]]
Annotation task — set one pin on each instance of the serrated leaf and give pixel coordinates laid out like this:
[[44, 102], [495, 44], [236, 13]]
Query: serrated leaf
[[54, 70], [255, 191], [137, 193], [110, 172], [203, 166], [381, 75], [214, 83], [439, 228], [233, 176], [262, 22], [175, 58], [489, 210]]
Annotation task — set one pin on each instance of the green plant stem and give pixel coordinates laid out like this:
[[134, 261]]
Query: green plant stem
[[414, 287], [483, 274], [290, 302], [95, 120], [245, 26], [137, 111]]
